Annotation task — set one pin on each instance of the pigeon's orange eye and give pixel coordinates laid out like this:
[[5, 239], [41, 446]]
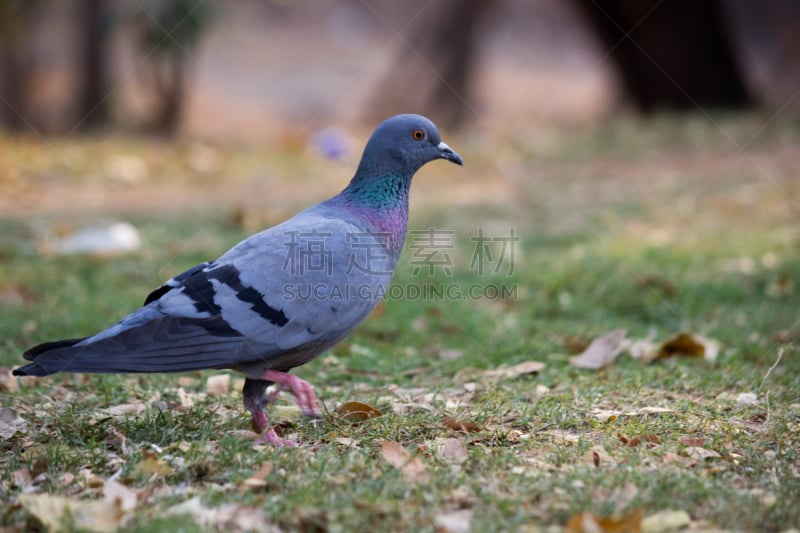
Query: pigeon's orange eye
[[418, 134]]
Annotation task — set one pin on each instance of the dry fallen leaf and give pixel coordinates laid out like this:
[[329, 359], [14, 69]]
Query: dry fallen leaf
[[644, 350], [121, 495], [574, 344], [691, 345], [693, 441], [598, 456], [58, 513], [218, 385], [357, 412], [455, 424], [648, 438], [8, 382], [226, 516], [185, 398], [515, 371], [601, 352], [665, 521], [697, 453], [11, 423], [453, 451], [133, 407], [605, 415], [588, 523], [454, 522], [747, 398], [450, 354], [187, 382], [90, 479], [151, 465], [257, 478], [21, 478], [397, 456]]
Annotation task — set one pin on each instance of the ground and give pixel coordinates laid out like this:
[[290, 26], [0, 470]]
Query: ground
[[655, 227]]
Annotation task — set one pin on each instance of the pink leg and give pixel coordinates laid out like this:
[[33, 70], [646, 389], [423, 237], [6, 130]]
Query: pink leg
[[260, 423], [301, 389]]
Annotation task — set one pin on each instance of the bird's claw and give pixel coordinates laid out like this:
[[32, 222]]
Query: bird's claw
[[271, 437], [301, 389]]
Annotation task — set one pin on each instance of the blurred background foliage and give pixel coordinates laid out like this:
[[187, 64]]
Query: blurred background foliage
[[244, 68]]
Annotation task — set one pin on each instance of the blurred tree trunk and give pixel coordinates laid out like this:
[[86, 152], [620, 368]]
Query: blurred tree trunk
[[170, 82], [17, 19], [767, 37], [92, 109], [168, 34], [435, 64], [673, 54]]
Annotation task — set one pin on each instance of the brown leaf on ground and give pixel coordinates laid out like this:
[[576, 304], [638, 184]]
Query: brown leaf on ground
[[187, 382], [133, 407], [575, 344], [218, 385], [689, 345], [693, 441], [357, 412], [396, 455], [699, 454], [21, 478], [228, 516], [515, 371], [601, 352], [453, 451], [647, 438], [644, 350], [11, 423], [257, 478], [151, 465], [587, 522], [453, 522], [658, 283], [598, 456], [106, 515], [8, 382], [665, 521], [185, 398], [455, 424]]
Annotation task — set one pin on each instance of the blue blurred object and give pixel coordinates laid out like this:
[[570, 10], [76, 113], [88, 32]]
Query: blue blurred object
[[331, 143]]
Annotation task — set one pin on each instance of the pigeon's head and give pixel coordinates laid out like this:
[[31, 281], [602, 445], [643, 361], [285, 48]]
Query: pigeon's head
[[406, 142]]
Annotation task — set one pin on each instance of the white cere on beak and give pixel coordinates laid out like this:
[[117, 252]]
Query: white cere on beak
[[443, 146]]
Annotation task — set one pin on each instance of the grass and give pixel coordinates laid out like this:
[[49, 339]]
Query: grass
[[655, 227]]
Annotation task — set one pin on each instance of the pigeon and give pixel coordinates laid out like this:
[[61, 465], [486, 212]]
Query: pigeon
[[279, 298]]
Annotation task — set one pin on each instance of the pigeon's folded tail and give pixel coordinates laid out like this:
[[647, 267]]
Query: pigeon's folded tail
[[35, 369], [168, 344]]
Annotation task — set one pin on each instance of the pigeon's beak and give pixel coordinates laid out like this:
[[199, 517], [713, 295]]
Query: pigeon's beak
[[445, 152]]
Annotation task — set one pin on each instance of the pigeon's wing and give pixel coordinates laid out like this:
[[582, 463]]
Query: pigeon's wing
[[229, 312], [174, 282]]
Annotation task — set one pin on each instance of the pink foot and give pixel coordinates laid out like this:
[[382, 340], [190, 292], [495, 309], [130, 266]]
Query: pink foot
[[301, 389], [270, 437]]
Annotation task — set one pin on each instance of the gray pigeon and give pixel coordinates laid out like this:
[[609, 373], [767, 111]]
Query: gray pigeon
[[279, 298]]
